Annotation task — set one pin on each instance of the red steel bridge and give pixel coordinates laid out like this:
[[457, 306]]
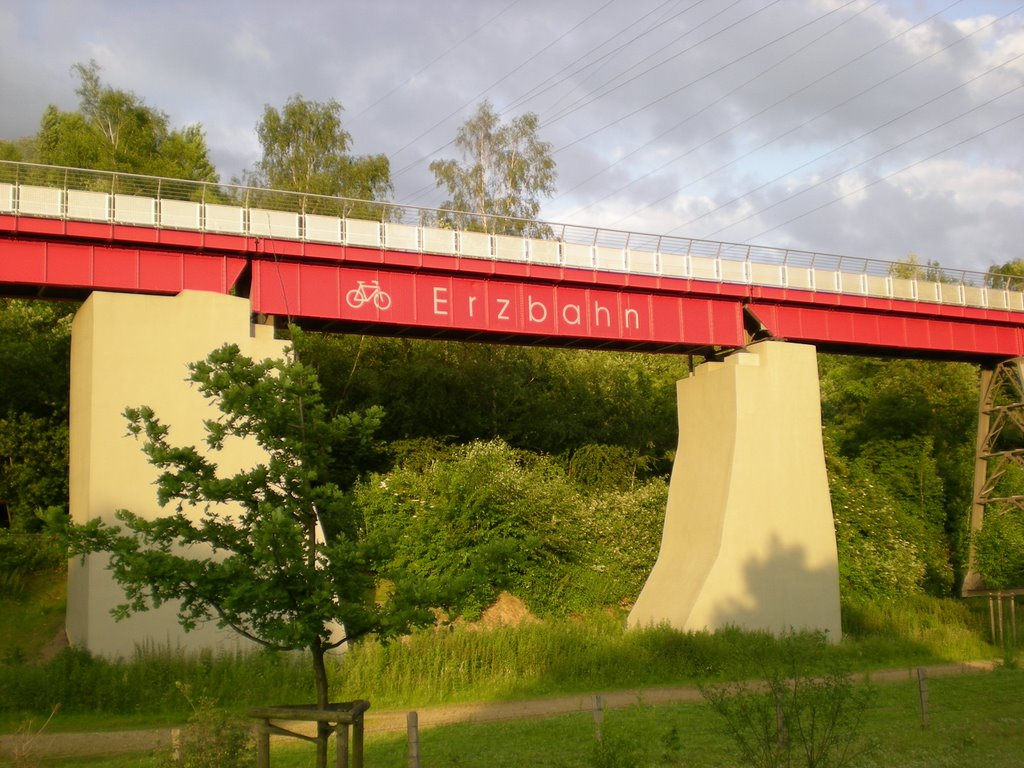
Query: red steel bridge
[[357, 266]]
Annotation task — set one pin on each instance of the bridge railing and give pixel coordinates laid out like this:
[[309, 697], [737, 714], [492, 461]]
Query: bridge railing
[[28, 189]]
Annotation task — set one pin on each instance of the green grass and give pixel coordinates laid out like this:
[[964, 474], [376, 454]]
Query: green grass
[[95, 693], [976, 721]]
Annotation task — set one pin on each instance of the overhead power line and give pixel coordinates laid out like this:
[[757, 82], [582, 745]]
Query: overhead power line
[[590, 97], [888, 176], [721, 98], [482, 93], [818, 116], [561, 77], [433, 61], [566, 113], [754, 116], [854, 140], [874, 157]]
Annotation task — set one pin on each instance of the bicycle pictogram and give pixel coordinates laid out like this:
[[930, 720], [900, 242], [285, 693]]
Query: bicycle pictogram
[[367, 292]]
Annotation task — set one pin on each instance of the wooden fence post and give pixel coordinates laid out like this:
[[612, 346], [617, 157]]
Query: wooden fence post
[[999, 602], [341, 745], [413, 726], [992, 618], [357, 742], [1013, 619], [598, 717], [922, 689]]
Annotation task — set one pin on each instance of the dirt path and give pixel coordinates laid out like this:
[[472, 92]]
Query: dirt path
[[123, 742]]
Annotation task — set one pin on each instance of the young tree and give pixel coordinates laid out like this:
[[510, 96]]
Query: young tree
[[305, 149], [505, 172], [270, 574], [114, 130]]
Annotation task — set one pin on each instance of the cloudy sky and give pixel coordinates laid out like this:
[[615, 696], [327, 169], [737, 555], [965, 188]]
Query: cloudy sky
[[873, 128]]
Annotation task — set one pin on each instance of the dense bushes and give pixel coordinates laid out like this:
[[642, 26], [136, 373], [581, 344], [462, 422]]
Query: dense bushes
[[999, 549], [35, 349], [25, 554], [899, 439], [551, 401], [879, 556], [517, 518]]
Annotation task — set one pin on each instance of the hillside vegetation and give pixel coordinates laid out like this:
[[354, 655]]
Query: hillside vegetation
[[548, 468]]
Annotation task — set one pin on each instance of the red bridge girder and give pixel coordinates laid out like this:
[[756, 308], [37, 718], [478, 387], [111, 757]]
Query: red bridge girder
[[77, 265], [439, 295], [893, 332]]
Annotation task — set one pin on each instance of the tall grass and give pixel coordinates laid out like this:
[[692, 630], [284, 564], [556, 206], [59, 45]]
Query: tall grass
[[462, 664], [82, 683], [953, 630], [546, 659]]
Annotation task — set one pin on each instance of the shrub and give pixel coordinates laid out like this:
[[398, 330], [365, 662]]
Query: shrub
[[483, 517], [807, 711], [999, 550], [878, 556], [212, 738], [26, 553]]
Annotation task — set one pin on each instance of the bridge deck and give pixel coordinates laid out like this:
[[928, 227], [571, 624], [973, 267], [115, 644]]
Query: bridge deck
[[68, 232]]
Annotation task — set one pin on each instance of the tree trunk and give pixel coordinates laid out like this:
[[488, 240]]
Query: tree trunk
[[323, 731]]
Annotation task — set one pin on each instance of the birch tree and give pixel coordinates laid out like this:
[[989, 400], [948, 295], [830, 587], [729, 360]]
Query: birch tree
[[505, 171]]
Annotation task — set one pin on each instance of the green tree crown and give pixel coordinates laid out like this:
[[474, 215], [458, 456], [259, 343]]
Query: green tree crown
[[505, 172], [306, 149], [115, 130]]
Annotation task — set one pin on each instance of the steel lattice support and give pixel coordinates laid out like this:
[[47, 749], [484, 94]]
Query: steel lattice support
[[999, 447]]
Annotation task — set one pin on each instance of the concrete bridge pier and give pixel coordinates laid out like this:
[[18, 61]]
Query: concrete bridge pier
[[130, 350], [749, 539]]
